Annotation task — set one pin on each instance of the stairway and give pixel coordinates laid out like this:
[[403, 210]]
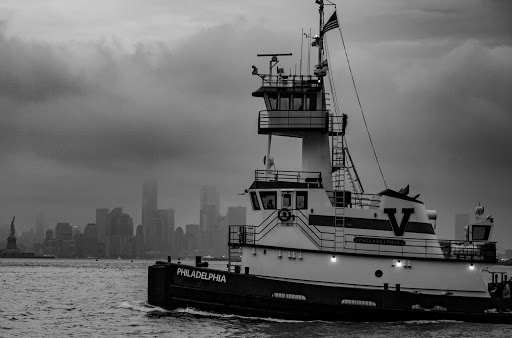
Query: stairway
[[234, 248]]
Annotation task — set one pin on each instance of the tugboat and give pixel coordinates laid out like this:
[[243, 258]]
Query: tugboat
[[323, 248]]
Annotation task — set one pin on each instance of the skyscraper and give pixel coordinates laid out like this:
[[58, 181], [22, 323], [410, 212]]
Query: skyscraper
[[220, 238], [139, 242], [208, 217], [192, 239], [119, 232], [149, 208], [63, 231], [209, 195], [39, 227], [64, 244], [89, 242], [162, 226], [170, 234], [101, 223], [76, 231], [179, 241]]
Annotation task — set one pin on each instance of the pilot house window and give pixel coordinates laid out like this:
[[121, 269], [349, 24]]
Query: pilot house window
[[302, 199], [254, 201], [287, 200], [269, 199], [481, 233]]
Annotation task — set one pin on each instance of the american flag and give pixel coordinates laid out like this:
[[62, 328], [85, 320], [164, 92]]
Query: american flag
[[330, 24]]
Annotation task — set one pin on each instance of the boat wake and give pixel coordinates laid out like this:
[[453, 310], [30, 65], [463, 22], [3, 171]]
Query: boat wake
[[144, 307], [440, 321], [155, 311], [196, 312]]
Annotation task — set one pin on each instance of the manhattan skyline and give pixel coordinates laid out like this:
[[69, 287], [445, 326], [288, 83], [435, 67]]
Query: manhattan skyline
[[96, 98]]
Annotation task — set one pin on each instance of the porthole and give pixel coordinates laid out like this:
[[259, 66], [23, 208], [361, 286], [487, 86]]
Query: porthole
[[378, 273]]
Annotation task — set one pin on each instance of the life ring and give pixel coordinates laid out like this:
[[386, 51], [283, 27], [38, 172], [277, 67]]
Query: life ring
[[284, 215]]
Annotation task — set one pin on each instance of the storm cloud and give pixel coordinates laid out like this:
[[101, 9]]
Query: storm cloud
[[163, 91]]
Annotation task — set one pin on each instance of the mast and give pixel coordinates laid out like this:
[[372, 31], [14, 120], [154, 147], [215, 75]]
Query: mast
[[295, 107], [320, 24]]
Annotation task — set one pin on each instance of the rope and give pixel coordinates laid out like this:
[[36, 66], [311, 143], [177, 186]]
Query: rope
[[331, 83], [336, 110], [358, 100]]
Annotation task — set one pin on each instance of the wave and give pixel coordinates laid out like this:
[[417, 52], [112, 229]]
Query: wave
[[439, 321], [143, 307], [152, 310], [195, 312]]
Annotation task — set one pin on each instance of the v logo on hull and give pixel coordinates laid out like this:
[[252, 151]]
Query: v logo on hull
[[399, 229]]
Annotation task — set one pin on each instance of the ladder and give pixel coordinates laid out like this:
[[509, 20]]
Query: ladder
[[345, 178], [234, 249], [339, 180]]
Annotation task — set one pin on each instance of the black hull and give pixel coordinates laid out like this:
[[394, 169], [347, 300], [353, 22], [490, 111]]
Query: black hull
[[173, 286]]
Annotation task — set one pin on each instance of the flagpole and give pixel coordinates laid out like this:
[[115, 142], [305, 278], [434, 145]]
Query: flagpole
[[321, 14], [309, 51], [301, 47]]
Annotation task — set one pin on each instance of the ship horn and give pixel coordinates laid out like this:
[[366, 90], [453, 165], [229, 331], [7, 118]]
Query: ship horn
[[405, 190]]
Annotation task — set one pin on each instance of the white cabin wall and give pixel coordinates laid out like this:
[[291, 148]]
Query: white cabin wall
[[425, 276], [316, 156], [419, 215], [290, 236]]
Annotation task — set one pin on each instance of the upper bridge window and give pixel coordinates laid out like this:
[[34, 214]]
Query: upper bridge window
[[272, 101], [284, 101], [311, 101], [289, 101], [298, 101], [254, 201], [269, 199]]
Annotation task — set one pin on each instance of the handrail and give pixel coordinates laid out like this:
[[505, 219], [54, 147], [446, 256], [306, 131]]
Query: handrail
[[303, 110], [403, 247], [265, 229], [358, 200], [289, 80], [288, 176], [317, 242], [291, 119], [433, 248], [314, 227], [253, 233]]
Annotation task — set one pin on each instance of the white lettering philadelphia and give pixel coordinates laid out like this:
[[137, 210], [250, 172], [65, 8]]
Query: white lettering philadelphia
[[201, 275]]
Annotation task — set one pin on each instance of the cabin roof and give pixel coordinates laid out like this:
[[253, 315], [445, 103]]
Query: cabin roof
[[284, 185], [394, 194], [278, 89]]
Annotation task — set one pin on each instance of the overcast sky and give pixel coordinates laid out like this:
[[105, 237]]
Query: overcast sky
[[97, 95]]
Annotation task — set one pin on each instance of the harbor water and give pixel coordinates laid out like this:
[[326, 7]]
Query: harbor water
[[100, 298]]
